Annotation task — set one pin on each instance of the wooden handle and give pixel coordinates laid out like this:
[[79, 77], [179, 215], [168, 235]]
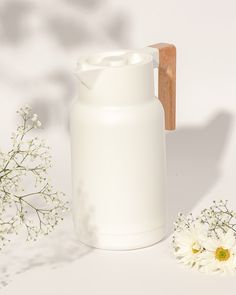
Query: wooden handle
[[167, 82]]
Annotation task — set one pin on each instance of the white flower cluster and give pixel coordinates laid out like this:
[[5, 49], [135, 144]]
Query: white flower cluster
[[40, 210], [208, 242]]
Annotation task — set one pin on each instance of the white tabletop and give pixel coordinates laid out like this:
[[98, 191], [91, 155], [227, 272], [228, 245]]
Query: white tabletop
[[60, 266]]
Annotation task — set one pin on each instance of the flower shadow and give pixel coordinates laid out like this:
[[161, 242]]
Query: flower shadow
[[61, 247], [58, 249]]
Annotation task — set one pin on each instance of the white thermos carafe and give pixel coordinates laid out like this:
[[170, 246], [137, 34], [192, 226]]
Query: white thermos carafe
[[118, 146]]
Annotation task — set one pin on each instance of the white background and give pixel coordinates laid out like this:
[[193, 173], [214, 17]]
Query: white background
[[39, 44]]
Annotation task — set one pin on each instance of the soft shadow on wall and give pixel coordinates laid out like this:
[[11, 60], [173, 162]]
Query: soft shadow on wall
[[194, 156], [66, 26], [71, 23]]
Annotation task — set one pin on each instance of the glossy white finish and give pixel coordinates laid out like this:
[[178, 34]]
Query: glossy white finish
[[118, 156]]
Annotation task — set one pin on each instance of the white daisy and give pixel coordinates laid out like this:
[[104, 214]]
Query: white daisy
[[219, 254], [188, 244]]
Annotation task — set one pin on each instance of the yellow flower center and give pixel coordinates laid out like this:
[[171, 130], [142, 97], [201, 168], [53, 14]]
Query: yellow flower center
[[196, 248], [222, 254]]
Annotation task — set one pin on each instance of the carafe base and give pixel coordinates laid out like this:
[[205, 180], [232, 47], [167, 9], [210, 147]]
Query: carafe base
[[122, 242]]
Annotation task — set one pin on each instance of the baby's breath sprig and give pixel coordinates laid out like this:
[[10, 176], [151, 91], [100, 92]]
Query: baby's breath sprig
[[40, 210], [219, 217]]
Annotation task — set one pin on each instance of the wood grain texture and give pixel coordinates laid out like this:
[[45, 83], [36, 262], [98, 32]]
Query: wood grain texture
[[167, 82]]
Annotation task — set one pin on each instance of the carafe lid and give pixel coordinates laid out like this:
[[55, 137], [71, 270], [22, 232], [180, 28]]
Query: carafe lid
[[117, 77]]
